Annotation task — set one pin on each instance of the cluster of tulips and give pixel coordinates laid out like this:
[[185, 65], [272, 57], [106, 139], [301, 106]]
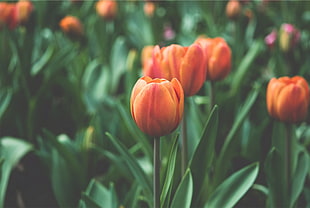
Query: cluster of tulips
[[14, 14], [169, 72], [174, 72]]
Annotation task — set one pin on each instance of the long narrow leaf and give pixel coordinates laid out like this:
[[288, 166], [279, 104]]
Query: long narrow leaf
[[133, 166], [170, 172], [203, 156], [233, 188], [184, 193]]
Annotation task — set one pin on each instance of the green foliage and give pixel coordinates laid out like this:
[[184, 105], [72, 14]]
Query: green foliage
[[60, 96]]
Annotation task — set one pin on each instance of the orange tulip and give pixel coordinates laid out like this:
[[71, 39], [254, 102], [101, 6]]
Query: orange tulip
[[233, 9], [23, 11], [288, 98], [106, 9], [187, 64], [157, 105], [71, 26], [7, 15], [218, 56], [149, 8]]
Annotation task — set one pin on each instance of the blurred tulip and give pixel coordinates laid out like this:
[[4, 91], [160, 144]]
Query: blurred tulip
[[271, 39], [149, 8], [71, 26], [184, 63], [24, 9], [289, 37], [106, 9], [288, 98], [8, 15], [218, 56], [146, 58], [157, 105], [233, 9]]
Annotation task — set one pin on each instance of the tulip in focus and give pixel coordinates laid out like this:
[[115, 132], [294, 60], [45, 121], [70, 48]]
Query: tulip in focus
[[270, 39], [24, 9], [288, 99], [157, 105], [71, 26], [106, 9], [218, 56], [233, 9], [289, 37], [187, 64]]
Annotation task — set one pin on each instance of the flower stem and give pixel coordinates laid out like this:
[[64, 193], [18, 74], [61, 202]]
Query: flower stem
[[184, 151], [156, 178], [288, 155]]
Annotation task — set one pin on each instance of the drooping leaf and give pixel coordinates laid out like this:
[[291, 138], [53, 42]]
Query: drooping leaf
[[233, 188], [184, 193], [11, 151], [5, 98]]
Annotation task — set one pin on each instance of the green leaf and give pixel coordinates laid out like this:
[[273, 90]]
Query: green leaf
[[38, 66], [135, 131], [133, 166], [233, 188], [244, 66], [5, 98], [11, 151], [99, 195], [118, 61], [226, 152], [204, 154], [274, 169], [170, 172], [299, 176], [183, 195], [63, 181]]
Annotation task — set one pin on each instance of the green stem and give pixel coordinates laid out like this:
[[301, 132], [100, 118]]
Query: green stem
[[156, 175], [184, 148], [288, 158], [212, 97]]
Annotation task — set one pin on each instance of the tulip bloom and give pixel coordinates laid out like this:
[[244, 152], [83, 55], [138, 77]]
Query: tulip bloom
[[187, 64], [23, 11], [8, 15], [288, 98], [71, 26], [157, 105], [106, 9], [218, 56], [233, 9]]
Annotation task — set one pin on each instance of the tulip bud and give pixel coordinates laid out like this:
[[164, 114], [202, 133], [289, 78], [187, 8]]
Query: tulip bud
[[271, 39], [288, 99], [106, 9], [71, 26], [233, 9], [157, 105], [217, 54], [23, 11], [289, 37], [184, 63]]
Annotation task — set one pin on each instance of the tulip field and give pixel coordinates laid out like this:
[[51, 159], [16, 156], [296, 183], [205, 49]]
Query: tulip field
[[154, 104]]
